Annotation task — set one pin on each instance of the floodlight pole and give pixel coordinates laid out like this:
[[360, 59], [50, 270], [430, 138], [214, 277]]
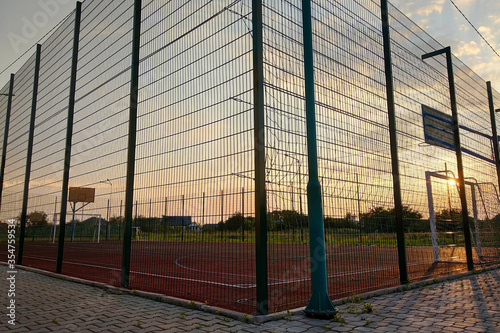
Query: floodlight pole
[[494, 130], [391, 112], [69, 134], [320, 305], [458, 151]]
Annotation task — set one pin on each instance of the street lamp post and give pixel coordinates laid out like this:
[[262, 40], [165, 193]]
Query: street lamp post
[[108, 210]]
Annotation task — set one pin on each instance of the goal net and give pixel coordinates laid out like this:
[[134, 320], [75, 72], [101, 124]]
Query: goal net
[[446, 222], [85, 227]]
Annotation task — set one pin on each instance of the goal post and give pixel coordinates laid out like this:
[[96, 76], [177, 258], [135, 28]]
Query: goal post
[[487, 229], [432, 217], [483, 241], [89, 229]]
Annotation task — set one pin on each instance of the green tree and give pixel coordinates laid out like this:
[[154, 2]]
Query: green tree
[[380, 219], [147, 224], [117, 220], [449, 220], [37, 218], [234, 223], [347, 222], [286, 219]]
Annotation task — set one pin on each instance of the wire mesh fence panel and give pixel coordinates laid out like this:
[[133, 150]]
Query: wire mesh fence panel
[[418, 83], [15, 165], [16, 150], [194, 152], [426, 83], [48, 146], [99, 141], [479, 164], [353, 147], [194, 196], [286, 163]]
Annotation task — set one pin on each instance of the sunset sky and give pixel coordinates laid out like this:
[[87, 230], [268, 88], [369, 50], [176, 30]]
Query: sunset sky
[[23, 23], [443, 21]]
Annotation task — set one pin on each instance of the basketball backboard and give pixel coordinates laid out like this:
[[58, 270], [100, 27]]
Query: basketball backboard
[[81, 194]]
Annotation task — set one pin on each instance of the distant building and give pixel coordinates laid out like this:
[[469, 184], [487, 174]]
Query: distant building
[[193, 227], [178, 221]]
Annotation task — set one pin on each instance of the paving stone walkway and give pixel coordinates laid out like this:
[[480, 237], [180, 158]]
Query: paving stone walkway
[[48, 304]]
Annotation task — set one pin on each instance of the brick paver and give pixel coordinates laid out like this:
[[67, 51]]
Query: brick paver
[[48, 304]]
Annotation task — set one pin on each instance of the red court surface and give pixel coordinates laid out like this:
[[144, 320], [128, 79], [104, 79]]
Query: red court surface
[[224, 274]]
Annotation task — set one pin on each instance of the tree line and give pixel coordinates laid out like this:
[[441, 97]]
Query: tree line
[[377, 219]]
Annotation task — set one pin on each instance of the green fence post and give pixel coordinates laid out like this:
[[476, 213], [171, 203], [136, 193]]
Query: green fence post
[[320, 305], [260, 168], [24, 210], [132, 128], [69, 134], [391, 112]]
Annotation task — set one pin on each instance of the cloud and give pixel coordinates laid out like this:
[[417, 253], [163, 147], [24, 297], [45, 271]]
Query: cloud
[[434, 6], [467, 49], [424, 23], [489, 71], [464, 3], [464, 27], [487, 34]]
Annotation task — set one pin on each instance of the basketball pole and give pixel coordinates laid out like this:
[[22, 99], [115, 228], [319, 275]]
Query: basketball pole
[[74, 210], [458, 151]]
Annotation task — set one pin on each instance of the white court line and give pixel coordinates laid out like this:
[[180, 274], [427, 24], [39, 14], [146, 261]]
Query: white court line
[[207, 272], [237, 286], [240, 286]]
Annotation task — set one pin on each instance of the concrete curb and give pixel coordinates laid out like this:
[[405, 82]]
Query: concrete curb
[[259, 319]]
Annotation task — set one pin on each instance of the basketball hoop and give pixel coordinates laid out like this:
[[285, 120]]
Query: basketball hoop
[[85, 195]]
